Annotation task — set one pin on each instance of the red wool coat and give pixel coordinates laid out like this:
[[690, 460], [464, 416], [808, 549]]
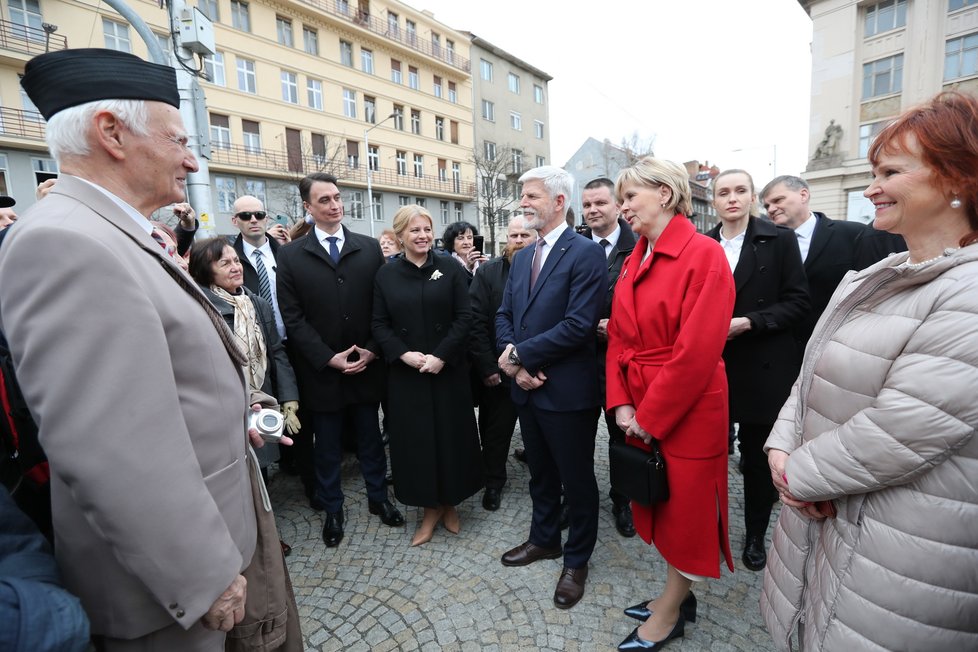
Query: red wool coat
[[669, 323]]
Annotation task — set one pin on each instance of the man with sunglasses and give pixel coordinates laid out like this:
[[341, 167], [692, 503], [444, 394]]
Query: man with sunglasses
[[257, 252]]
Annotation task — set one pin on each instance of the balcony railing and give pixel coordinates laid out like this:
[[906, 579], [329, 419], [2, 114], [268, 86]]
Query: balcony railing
[[29, 40], [348, 11], [283, 164], [24, 124]]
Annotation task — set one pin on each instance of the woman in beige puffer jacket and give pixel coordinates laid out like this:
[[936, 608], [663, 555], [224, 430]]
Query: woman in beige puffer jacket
[[875, 454]]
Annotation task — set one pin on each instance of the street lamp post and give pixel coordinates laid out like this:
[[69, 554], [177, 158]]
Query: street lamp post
[[370, 187]]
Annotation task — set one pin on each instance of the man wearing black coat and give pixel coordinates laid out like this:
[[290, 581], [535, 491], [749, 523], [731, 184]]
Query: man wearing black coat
[[325, 290], [257, 251], [760, 355], [600, 212]]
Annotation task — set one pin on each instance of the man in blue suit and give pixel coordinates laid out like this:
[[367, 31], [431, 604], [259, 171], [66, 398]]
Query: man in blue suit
[[545, 330]]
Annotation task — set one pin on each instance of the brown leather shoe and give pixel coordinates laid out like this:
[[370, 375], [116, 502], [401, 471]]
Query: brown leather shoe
[[527, 553], [570, 587]]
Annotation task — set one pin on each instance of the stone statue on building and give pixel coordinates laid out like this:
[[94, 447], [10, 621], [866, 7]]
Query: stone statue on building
[[830, 142]]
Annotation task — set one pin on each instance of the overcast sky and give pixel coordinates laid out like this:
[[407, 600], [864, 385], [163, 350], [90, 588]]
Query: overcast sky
[[703, 78]]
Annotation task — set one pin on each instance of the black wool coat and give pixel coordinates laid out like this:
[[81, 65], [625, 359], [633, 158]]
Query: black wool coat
[[772, 292], [327, 307]]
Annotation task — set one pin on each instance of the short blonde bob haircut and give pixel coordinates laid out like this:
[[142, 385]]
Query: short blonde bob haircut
[[405, 214], [655, 172]]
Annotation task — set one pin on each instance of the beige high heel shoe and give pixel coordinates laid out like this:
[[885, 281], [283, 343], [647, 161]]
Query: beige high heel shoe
[[431, 517], [451, 520]]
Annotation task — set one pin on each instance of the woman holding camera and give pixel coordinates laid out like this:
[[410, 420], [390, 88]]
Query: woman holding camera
[[459, 241]]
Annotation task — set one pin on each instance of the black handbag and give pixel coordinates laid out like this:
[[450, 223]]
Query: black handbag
[[639, 475]]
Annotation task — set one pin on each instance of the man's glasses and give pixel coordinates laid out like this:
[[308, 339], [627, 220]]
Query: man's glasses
[[248, 215]]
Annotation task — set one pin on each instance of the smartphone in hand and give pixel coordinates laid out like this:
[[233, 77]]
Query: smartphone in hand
[[478, 242]]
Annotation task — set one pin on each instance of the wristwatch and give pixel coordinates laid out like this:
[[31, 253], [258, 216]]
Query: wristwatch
[[514, 358]]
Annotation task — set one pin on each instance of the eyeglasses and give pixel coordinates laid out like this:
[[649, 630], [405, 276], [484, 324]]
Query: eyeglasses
[[248, 215]]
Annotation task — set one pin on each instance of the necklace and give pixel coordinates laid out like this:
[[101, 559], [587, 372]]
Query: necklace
[[947, 252]]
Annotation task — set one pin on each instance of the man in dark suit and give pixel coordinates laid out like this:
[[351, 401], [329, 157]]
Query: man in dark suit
[[828, 247], [545, 329], [325, 290], [256, 251], [617, 240], [761, 355]]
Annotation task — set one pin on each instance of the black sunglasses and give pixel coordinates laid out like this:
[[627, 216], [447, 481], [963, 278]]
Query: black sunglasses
[[247, 215]]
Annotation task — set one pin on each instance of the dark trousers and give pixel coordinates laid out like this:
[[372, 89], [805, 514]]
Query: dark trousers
[[328, 428], [615, 434], [560, 450], [759, 491], [497, 420]]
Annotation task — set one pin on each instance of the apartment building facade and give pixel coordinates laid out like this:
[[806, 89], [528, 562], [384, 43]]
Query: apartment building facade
[[871, 61]]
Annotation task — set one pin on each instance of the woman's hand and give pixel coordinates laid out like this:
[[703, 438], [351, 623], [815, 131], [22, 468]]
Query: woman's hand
[[624, 415], [473, 258], [413, 359], [432, 364], [777, 460]]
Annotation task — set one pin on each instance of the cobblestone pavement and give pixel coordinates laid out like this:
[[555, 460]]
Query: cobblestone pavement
[[376, 592]]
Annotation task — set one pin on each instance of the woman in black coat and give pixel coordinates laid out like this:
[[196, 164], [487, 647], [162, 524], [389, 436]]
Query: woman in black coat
[[422, 320], [761, 353]]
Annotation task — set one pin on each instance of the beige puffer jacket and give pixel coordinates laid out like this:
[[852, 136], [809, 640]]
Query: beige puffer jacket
[[882, 421]]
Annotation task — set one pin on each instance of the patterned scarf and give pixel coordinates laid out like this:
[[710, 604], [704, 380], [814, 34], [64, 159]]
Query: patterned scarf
[[248, 333]]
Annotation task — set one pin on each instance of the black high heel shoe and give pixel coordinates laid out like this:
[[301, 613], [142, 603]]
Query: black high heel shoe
[[641, 611], [634, 642]]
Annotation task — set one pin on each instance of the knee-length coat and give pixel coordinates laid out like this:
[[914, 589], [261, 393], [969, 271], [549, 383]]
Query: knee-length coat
[[434, 442], [669, 323]]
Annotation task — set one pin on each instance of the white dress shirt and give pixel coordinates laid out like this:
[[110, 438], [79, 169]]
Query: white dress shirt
[[322, 235], [732, 247], [612, 239], [550, 239], [267, 259], [804, 234]]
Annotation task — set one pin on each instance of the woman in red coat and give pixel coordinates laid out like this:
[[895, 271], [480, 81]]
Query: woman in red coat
[[666, 381]]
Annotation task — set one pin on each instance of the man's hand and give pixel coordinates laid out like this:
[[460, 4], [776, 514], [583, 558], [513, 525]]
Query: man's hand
[[432, 364], [528, 382], [341, 361], [503, 362], [738, 326], [44, 188], [185, 215], [289, 410], [413, 359], [280, 233], [603, 329], [229, 608], [365, 354], [255, 438], [492, 380]]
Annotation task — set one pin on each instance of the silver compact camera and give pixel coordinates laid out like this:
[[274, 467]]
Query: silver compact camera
[[268, 423]]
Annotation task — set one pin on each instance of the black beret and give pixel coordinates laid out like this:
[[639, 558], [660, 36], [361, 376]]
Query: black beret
[[7, 202], [60, 80]]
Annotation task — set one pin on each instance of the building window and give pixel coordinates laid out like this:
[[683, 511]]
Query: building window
[[310, 40], [252, 136], [349, 103], [442, 170], [452, 93], [398, 114], [538, 93], [370, 109], [353, 154], [343, 6], [954, 5], [367, 61], [314, 93], [961, 57], [415, 122], [488, 111], [395, 71], [458, 211], [403, 200], [239, 16], [355, 210], [373, 158], [4, 167], [515, 121], [883, 77], [209, 8], [538, 129], [418, 166], [450, 50], [116, 35], [220, 131], [436, 86], [514, 83], [453, 131], [164, 42], [445, 212], [392, 27], [290, 87], [439, 127], [421, 201], [246, 76], [517, 161], [346, 53], [541, 160], [400, 159], [490, 150], [486, 69], [457, 176], [26, 13], [283, 29], [30, 111], [867, 134], [413, 80], [884, 16], [214, 68], [412, 31], [436, 44], [227, 193], [255, 188], [318, 149]]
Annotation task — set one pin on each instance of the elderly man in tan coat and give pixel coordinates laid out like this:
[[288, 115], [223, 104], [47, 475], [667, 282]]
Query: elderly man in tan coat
[[132, 376]]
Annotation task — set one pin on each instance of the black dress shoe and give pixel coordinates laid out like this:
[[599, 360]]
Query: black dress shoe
[[634, 642], [564, 516], [623, 519], [490, 499], [520, 455], [286, 548], [641, 611], [333, 529], [570, 587], [527, 553], [755, 557], [389, 515]]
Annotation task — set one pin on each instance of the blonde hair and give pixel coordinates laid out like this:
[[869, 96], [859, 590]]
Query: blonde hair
[[405, 214], [656, 172]]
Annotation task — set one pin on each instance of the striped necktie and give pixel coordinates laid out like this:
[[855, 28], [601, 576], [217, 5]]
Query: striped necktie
[[264, 287]]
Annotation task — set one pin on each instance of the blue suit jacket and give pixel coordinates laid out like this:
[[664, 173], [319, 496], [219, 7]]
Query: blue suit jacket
[[553, 326]]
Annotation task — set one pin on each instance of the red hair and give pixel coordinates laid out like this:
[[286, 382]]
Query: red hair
[[946, 130]]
